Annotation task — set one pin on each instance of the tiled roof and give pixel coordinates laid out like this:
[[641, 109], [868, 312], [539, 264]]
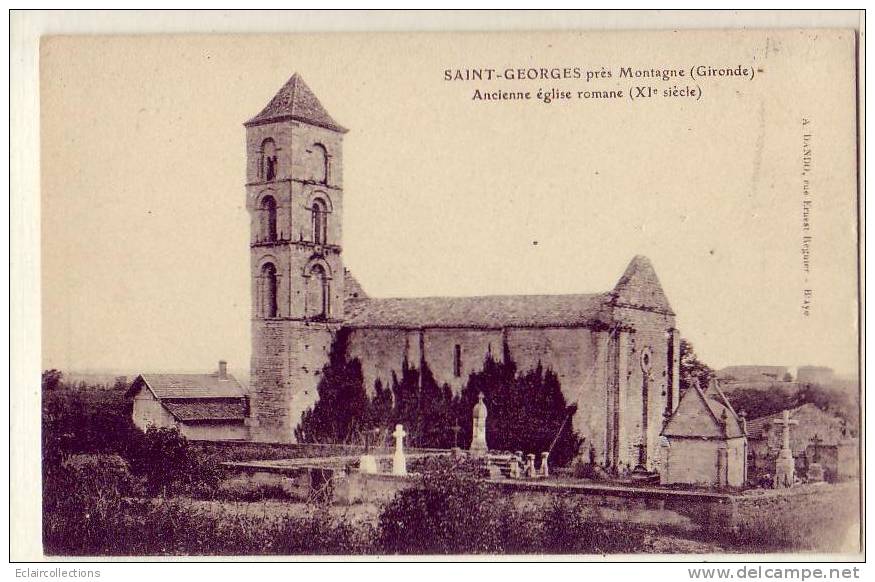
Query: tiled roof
[[191, 386], [733, 426], [189, 410], [355, 295], [489, 312], [296, 101], [639, 287], [758, 426], [704, 413]]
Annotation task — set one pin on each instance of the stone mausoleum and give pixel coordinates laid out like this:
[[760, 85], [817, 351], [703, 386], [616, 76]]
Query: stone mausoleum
[[615, 352]]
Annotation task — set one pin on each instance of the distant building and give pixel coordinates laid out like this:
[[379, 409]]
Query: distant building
[[815, 375], [819, 437], [202, 406], [753, 373], [704, 441]]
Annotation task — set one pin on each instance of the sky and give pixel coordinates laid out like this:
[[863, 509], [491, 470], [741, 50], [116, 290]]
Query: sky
[[145, 257]]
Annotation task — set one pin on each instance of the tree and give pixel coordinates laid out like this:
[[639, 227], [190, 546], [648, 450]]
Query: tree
[[436, 416], [380, 408], [342, 408], [526, 410], [692, 369], [52, 379], [162, 456]]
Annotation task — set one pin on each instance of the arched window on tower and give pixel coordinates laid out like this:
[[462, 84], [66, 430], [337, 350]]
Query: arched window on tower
[[269, 289], [268, 218], [267, 167], [319, 292], [319, 163], [320, 221]]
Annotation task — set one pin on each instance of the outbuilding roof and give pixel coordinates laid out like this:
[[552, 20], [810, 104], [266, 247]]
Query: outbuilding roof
[[196, 397], [758, 427], [191, 385], [206, 409]]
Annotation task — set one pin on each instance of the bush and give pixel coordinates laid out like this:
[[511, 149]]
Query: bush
[[88, 511], [169, 465], [84, 505], [452, 512], [449, 512]]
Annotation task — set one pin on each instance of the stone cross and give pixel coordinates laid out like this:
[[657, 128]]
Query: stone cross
[[785, 466], [399, 461], [786, 422], [456, 428]]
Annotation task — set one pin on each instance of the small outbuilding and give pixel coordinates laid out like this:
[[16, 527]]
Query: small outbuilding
[[704, 442], [202, 406]]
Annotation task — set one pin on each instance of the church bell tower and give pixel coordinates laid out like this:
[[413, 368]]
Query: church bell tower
[[294, 195]]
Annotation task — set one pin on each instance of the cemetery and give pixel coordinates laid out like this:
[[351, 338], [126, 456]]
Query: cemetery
[[377, 474]]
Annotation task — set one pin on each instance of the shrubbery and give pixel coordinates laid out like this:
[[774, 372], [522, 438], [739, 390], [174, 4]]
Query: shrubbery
[[97, 508], [527, 410], [87, 511], [451, 511]]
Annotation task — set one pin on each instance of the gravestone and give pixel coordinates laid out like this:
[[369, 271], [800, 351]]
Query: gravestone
[[530, 466], [815, 469], [515, 466], [367, 462], [545, 470], [478, 440], [399, 461], [785, 466]]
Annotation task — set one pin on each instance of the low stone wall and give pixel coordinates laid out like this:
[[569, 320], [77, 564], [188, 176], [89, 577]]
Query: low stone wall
[[247, 450], [693, 511], [801, 500], [686, 510]]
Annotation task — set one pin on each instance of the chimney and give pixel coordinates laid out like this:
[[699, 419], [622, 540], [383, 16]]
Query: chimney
[[223, 370]]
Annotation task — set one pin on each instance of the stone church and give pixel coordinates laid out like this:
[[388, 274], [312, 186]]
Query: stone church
[[615, 352]]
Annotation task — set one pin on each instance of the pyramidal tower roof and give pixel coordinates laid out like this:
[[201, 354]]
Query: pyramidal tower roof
[[639, 287], [296, 101]]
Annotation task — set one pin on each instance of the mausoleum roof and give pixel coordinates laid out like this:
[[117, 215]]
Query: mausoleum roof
[[296, 101], [705, 414]]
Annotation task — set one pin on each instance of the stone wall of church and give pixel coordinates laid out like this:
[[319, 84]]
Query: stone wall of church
[[287, 360], [650, 335], [294, 150], [382, 352], [577, 355], [474, 346]]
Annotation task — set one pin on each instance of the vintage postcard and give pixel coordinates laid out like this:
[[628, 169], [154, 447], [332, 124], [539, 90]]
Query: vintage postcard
[[497, 295]]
